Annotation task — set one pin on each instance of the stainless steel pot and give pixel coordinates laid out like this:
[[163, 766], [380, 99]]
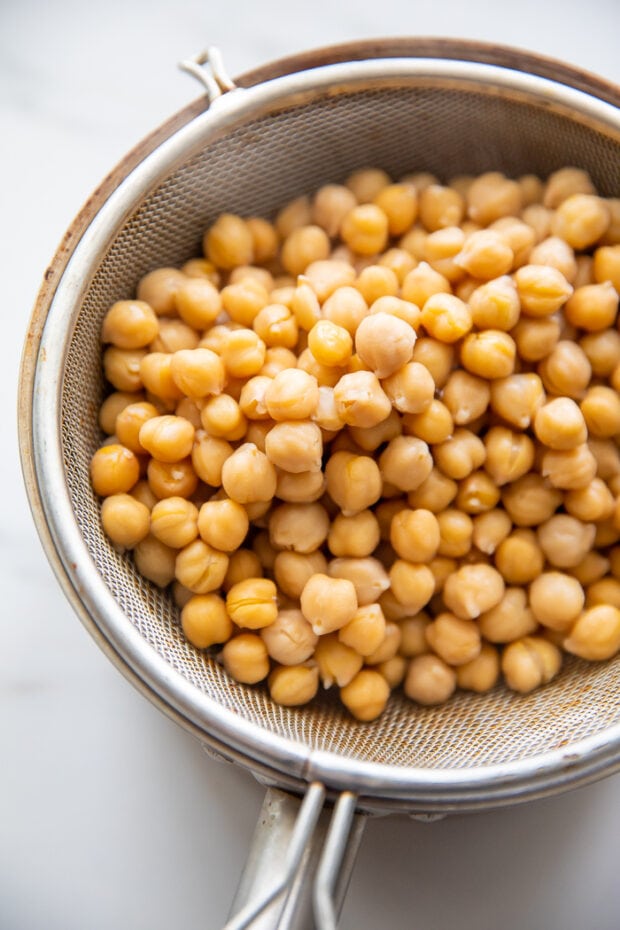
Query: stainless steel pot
[[429, 104]]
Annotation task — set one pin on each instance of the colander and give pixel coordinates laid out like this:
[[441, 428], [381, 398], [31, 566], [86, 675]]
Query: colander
[[249, 146]]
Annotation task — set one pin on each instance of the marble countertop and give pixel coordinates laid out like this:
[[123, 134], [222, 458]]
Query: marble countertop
[[111, 815]]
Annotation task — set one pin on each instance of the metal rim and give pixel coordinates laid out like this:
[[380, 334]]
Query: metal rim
[[422, 788]]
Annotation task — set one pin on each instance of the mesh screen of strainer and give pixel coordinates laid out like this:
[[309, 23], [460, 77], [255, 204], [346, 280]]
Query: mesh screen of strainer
[[253, 170]]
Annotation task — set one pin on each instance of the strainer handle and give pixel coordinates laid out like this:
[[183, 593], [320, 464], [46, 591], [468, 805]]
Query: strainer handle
[[299, 863]]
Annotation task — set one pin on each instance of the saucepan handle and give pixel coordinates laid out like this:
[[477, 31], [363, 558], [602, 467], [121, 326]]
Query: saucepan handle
[[300, 862]]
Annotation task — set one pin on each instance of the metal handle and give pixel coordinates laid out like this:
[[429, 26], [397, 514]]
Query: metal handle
[[300, 860], [208, 67]]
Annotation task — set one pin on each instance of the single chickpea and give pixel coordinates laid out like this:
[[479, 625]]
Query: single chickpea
[[440, 207], [300, 488], [536, 339], [367, 575], [174, 335], [360, 399], [366, 183], [205, 621], [556, 599], [292, 395], [384, 343], [388, 648], [460, 455], [242, 564], [222, 417], [377, 281], [252, 603], [223, 524], [293, 685], [435, 493], [113, 470], [305, 305], [365, 229], [509, 454], [492, 195], [485, 254], [228, 242], [596, 634], [393, 670], [243, 353], [353, 481], [581, 220], [399, 202], [129, 423], [293, 569], [472, 590], [558, 254], [125, 520], [275, 325], [489, 354], [606, 266], [481, 673], [330, 344], [113, 406], [330, 205], [122, 368], [602, 350], [197, 372], [455, 530], [519, 557], [490, 529], [337, 663], [200, 567], [410, 389], [542, 289], [446, 318], [167, 438], [477, 493], [538, 218], [290, 639], [245, 658], [159, 288], [301, 527], [422, 283], [295, 446], [437, 357], [413, 635], [346, 308], [466, 396], [566, 370], [564, 183], [244, 300], [198, 303], [366, 631], [174, 522], [509, 620], [495, 304], [202, 268], [366, 695], [565, 540], [355, 536], [248, 475], [517, 398], [453, 639], [327, 277], [328, 603], [433, 425], [129, 324], [399, 261], [155, 561], [172, 479], [530, 662], [208, 457], [264, 239], [518, 235], [593, 307], [414, 534], [441, 249], [405, 462], [429, 680], [591, 568], [277, 358], [293, 215], [601, 410], [604, 591], [569, 470], [370, 438]]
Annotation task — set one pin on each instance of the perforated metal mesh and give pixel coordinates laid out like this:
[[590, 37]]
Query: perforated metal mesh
[[255, 169]]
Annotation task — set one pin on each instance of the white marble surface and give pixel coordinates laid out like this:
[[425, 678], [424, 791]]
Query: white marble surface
[[110, 815]]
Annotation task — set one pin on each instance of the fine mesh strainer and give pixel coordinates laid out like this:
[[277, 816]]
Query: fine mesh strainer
[[443, 106]]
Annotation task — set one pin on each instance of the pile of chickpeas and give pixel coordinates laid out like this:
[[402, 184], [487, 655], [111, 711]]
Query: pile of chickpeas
[[375, 442]]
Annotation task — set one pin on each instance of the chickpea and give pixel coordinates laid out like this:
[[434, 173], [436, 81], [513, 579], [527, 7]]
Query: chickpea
[[490, 529], [174, 522], [435, 493], [607, 458], [565, 540], [602, 350], [440, 207], [277, 358], [159, 288], [243, 352], [581, 220], [174, 335], [337, 663], [466, 396], [208, 456], [455, 530], [530, 662], [472, 590], [542, 289], [113, 406], [275, 325], [606, 266], [536, 339], [569, 470], [244, 300], [601, 410], [388, 648], [353, 481], [399, 261], [429, 680], [410, 389], [422, 283], [433, 425], [223, 524], [489, 354], [248, 475], [495, 304], [330, 205], [293, 215], [399, 202], [446, 318], [290, 639], [252, 603], [517, 398], [301, 488], [354, 536], [592, 567], [453, 639], [367, 575], [301, 527], [293, 569], [491, 196], [197, 372], [366, 695], [202, 268], [172, 479], [155, 561], [245, 658], [328, 277], [460, 455], [593, 307], [558, 254], [205, 621], [129, 422], [242, 564], [221, 416], [564, 183], [360, 399], [122, 368], [328, 603], [556, 599], [413, 635], [596, 633], [481, 673], [385, 343], [442, 248], [377, 281], [292, 395], [405, 462], [366, 183], [365, 229], [519, 557], [366, 631], [295, 446], [167, 438], [113, 470], [200, 567], [305, 305], [414, 534], [603, 591], [371, 437], [293, 685], [485, 254], [129, 324], [125, 520], [228, 242]]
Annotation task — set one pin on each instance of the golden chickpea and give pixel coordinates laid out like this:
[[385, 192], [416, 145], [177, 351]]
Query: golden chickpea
[[472, 590], [509, 455], [596, 634], [556, 599], [485, 254], [301, 527], [581, 220], [197, 372], [122, 368], [159, 288], [205, 621], [519, 557], [414, 534], [399, 202], [384, 343], [366, 695], [202, 268], [565, 540], [601, 410], [223, 524], [113, 470], [377, 281], [413, 635], [293, 215], [290, 639], [440, 207], [491, 196], [446, 318], [173, 336], [167, 438], [354, 536], [518, 235], [435, 493], [566, 370], [405, 462], [517, 398], [360, 399], [125, 520], [366, 631], [301, 488], [477, 493], [366, 183], [564, 183], [495, 304], [328, 603], [252, 603], [558, 254], [410, 389], [602, 350], [129, 422], [172, 479], [245, 658], [222, 417], [244, 300], [606, 266], [277, 358], [441, 249], [370, 438], [113, 406], [353, 481], [293, 569], [453, 639], [429, 680], [535, 339], [529, 663], [242, 564], [460, 455], [604, 591], [542, 289], [508, 620], [200, 567], [330, 344], [337, 663], [174, 522], [489, 354], [155, 561], [129, 324], [208, 457], [295, 446], [399, 261], [569, 470], [593, 307], [490, 529], [365, 229], [346, 308], [592, 567], [228, 242], [466, 396], [292, 395], [264, 239], [198, 303], [367, 575], [591, 503], [481, 673], [455, 530], [330, 205], [248, 475], [293, 685], [538, 217], [433, 425], [422, 283]]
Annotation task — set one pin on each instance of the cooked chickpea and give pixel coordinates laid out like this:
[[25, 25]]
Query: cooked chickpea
[[354, 536], [593, 307], [495, 304], [489, 354], [242, 564], [366, 631], [155, 561], [276, 326], [535, 339], [366, 695], [159, 288], [446, 318], [565, 540], [337, 663], [455, 530], [405, 462], [564, 183], [113, 470], [558, 254], [481, 673], [197, 372], [328, 603], [129, 422], [466, 396], [440, 207], [223, 524], [569, 470], [228, 242], [295, 446], [365, 229], [606, 266], [360, 400], [208, 457], [302, 246], [413, 585], [367, 575], [252, 603], [411, 388], [591, 568], [292, 395], [602, 350], [293, 215], [519, 557], [205, 621], [129, 324], [377, 281], [581, 220], [433, 425], [441, 250], [472, 590], [508, 620], [167, 438], [366, 183], [509, 455], [603, 591], [542, 289], [517, 398], [491, 196], [301, 527], [384, 343], [222, 417], [244, 300], [422, 283], [399, 202], [353, 481], [435, 493], [200, 567], [243, 353], [530, 662], [113, 406], [290, 639], [453, 639], [172, 479], [530, 500], [293, 685], [460, 455], [330, 205], [248, 475], [601, 410], [293, 569], [125, 520], [245, 658], [429, 680], [596, 633], [301, 488], [371, 437], [414, 534], [485, 254], [123, 368], [556, 599], [490, 529], [388, 648], [174, 522]]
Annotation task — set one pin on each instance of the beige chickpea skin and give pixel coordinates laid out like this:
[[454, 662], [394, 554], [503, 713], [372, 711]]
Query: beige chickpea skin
[[508, 620], [596, 633], [472, 590], [366, 695], [290, 639], [453, 639], [328, 603], [530, 662], [245, 658], [429, 680], [367, 575], [556, 599], [481, 673], [125, 520], [205, 621]]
